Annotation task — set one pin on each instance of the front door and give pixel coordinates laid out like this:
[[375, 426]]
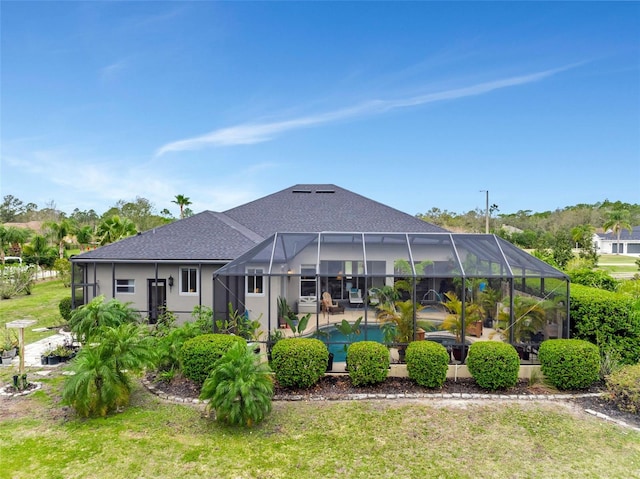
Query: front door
[[157, 294]]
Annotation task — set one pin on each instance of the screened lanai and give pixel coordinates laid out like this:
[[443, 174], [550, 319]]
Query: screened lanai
[[396, 288]]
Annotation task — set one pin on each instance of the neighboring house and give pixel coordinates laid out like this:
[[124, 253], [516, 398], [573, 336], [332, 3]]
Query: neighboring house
[[172, 266], [607, 243]]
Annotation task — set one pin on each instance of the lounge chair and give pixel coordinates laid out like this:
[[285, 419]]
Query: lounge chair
[[355, 297]]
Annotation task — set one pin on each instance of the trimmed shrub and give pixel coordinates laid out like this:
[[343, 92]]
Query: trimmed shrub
[[64, 306], [609, 320], [427, 363], [368, 362], [494, 365], [569, 363], [299, 362], [239, 388], [198, 355], [624, 387]]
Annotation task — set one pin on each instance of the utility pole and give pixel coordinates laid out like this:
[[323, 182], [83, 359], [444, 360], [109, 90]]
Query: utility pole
[[486, 211]]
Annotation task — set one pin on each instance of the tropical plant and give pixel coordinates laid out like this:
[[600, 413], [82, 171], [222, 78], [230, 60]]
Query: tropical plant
[[100, 382], [529, 317], [14, 238], [84, 236], [297, 325], [113, 229], [454, 320], [181, 201], [489, 299], [349, 331], [87, 321], [239, 388], [400, 314], [617, 220]]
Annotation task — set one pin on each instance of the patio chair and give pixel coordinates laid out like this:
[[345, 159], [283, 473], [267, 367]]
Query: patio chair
[[355, 297], [329, 306]]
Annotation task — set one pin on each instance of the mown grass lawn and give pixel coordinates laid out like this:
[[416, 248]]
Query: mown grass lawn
[[41, 305], [358, 439]]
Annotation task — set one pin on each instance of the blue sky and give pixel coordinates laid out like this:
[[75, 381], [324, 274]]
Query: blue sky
[[416, 105]]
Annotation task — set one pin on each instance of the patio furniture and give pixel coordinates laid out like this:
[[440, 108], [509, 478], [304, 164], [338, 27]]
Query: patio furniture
[[329, 306], [355, 297], [307, 304]]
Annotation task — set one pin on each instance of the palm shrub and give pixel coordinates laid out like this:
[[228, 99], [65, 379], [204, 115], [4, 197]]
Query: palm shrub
[[198, 355], [299, 362], [88, 320], [494, 365], [170, 344], [101, 382], [569, 363], [368, 362], [239, 388], [427, 363]]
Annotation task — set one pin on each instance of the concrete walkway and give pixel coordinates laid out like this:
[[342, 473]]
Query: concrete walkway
[[33, 351]]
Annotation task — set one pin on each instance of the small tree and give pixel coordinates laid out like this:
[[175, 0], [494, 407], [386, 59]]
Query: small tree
[[87, 320], [239, 387]]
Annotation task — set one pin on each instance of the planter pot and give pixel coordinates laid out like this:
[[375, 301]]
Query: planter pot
[[402, 351], [53, 360], [44, 360], [6, 361], [330, 362], [459, 353], [9, 353]]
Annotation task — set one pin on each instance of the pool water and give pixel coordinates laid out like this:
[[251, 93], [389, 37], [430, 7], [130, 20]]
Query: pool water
[[372, 331]]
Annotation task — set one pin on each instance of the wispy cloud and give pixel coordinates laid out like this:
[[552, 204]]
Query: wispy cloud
[[251, 133], [112, 71]]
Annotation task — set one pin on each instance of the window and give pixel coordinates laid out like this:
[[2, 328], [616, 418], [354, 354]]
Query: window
[[188, 280], [127, 286], [254, 281], [307, 280]]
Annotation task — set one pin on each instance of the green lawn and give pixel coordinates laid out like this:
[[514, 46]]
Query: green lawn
[[367, 439], [41, 305]]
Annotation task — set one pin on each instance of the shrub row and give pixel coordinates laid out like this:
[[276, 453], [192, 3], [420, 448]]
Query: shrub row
[[427, 363], [494, 365], [299, 362], [624, 387]]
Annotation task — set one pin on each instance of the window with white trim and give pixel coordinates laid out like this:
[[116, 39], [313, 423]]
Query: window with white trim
[[255, 281], [126, 286], [307, 280], [188, 280]]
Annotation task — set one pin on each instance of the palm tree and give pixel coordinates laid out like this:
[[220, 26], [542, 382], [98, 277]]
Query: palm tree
[[14, 238], [529, 317], [239, 387], [88, 320], [101, 381], [59, 232], [453, 321], [181, 201], [84, 235], [616, 222], [113, 229]]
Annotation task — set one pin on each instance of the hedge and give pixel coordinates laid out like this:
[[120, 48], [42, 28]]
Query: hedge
[[609, 320], [494, 365], [427, 363], [198, 355], [368, 362], [299, 362], [569, 363]]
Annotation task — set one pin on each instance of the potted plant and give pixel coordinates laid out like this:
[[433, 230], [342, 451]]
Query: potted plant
[[529, 317], [453, 321], [400, 314], [283, 312], [9, 347], [489, 299]]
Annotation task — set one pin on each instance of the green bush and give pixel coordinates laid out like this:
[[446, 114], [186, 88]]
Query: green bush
[[64, 306], [239, 388], [569, 363], [609, 320], [427, 363], [624, 387], [494, 365], [199, 354], [299, 362], [368, 362]]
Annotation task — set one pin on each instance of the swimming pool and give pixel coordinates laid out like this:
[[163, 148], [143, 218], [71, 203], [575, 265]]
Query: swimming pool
[[372, 331]]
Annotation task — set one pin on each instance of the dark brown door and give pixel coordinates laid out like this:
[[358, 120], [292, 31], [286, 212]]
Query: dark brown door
[[157, 294]]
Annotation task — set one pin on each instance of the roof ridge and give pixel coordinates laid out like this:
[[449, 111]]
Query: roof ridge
[[252, 235]]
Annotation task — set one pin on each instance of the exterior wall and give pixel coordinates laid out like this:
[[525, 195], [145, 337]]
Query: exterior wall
[[605, 246], [181, 303]]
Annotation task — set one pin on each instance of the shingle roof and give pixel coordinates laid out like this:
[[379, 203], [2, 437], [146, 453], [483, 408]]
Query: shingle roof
[[211, 236], [625, 235], [314, 208]]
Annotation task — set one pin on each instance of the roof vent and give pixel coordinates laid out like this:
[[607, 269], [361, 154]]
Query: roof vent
[[301, 191], [325, 191]]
